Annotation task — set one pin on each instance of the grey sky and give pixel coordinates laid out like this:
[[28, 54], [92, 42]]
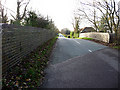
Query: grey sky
[[61, 11]]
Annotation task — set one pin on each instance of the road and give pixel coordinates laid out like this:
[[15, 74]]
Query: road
[[77, 63]]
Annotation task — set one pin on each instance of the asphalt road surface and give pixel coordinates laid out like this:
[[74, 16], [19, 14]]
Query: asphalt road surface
[[77, 63]]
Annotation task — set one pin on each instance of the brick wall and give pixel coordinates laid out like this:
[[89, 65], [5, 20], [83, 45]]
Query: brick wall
[[105, 37], [0, 58], [18, 41]]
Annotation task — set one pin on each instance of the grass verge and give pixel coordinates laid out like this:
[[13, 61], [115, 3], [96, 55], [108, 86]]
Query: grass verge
[[30, 72], [86, 38], [116, 47]]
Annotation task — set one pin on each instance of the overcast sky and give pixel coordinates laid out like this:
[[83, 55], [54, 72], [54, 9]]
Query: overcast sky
[[61, 11]]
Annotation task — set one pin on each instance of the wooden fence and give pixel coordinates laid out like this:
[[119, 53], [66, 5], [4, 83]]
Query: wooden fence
[[19, 41]]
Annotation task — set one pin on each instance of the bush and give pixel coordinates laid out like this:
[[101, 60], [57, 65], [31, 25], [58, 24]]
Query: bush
[[71, 34]]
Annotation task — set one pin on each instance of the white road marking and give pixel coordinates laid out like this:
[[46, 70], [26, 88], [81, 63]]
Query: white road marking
[[89, 50], [76, 41]]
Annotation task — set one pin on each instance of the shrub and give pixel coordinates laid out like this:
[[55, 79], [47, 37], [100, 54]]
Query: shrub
[[71, 34]]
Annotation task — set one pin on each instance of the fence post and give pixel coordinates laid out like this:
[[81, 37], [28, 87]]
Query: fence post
[[0, 56]]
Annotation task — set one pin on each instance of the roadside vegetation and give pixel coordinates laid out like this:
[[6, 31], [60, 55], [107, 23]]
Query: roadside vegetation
[[27, 17], [85, 38], [30, 72], [117, 47]]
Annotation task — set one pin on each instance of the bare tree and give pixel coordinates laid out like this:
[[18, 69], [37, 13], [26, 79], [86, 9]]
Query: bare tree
[[102, 25], [4, 16], [0, 12], [91, 17], [20, 16], [109, 12], [76, 24], [3, 13]]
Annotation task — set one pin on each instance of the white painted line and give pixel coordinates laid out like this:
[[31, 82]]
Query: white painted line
[[76, 41], [89, 50]]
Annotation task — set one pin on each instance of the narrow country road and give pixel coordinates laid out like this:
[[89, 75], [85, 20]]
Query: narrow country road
[[77, 63]]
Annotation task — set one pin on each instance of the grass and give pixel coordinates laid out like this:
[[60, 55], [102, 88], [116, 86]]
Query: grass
[[64, 35], [86, 38], [116, 47], [30, 72]]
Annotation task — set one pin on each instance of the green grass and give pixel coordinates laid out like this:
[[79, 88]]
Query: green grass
[[85, 38], [116, 47], [64, 35]]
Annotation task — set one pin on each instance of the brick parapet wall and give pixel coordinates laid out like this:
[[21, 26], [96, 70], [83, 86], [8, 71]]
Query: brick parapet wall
[[19, 41], [105, 37]]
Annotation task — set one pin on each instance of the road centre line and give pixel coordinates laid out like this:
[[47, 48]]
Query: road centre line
[[76, 41], [79, 43], [89, 50]]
